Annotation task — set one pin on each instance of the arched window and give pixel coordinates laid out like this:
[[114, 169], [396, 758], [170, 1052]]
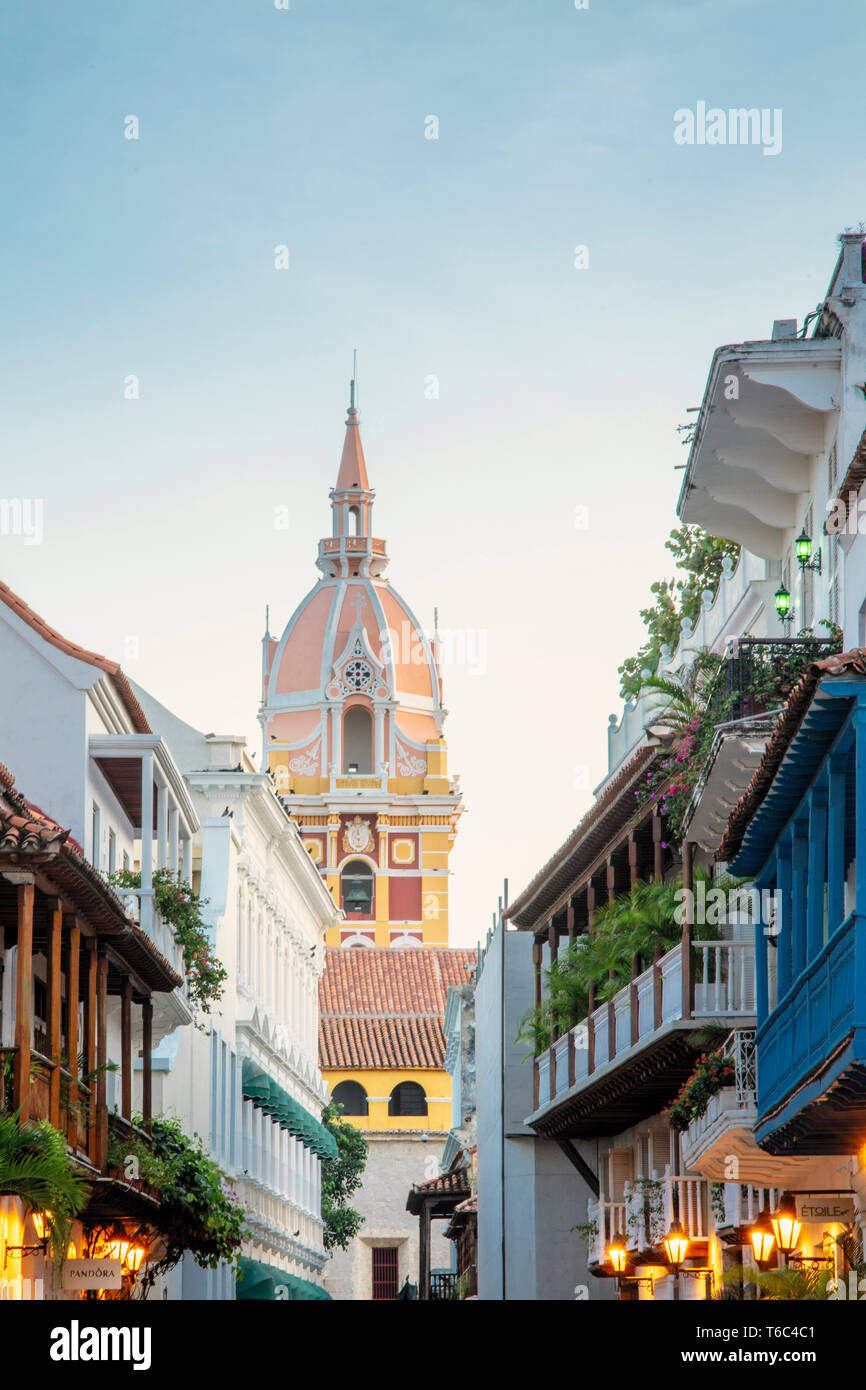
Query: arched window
[[408, 1099], [352, 1096], [357, 885], [354, 521], [357, 740]]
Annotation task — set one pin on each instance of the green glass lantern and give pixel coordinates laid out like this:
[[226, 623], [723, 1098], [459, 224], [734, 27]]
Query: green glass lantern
[[783, 603], [803, 547]]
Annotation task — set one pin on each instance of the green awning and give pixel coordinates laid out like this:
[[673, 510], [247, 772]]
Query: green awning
[[262, 1281], [264, 1092]]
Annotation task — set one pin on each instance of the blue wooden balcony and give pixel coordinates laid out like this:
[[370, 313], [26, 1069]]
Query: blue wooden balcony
[[806, 848]]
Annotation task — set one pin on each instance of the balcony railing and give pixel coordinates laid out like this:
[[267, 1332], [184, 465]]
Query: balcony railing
[[759, 673], [648, 1207], [49, 1082], [722, 984], [141, 908]]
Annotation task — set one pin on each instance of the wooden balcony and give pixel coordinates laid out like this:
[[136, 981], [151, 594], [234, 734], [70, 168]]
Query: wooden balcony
[[630, 1057], [56, 1094], [648, 1206]]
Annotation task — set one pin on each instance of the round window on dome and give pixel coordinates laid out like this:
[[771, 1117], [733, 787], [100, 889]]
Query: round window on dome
[[357, 675]]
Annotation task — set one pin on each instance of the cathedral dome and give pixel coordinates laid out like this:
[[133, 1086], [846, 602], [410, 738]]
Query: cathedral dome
[[352, 644]]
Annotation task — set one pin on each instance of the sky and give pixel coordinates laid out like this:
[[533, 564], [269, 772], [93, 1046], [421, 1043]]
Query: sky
[[519, 398]]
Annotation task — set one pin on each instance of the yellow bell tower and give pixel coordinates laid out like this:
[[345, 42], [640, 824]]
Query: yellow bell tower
[[352, 720]]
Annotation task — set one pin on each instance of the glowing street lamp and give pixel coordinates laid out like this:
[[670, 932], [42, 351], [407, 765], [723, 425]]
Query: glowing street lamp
[[786, 1227], [617, 1253], [676, 1244], [41, 1221], [783, 604], [762, 1238]]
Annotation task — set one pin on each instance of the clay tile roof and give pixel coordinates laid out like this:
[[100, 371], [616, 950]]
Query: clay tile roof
[[25, 829], [789, 721], [111, 668], [470, 1204], [380, 1007], [27, 832], [456, 1181]]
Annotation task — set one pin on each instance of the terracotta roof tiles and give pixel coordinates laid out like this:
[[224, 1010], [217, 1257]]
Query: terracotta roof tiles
[[50, 635], [789, 721], [382, 1007]]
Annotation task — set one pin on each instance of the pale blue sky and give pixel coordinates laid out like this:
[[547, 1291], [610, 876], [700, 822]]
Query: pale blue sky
[[454, 257]]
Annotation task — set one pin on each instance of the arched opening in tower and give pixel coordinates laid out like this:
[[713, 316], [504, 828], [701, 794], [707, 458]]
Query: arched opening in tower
[[357, 741], [357, 889]]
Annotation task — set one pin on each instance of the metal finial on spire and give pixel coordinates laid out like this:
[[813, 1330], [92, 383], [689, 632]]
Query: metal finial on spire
[[354, 381]]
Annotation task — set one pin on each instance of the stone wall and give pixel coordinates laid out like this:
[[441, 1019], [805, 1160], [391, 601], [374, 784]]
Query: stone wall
[[394, 1163]]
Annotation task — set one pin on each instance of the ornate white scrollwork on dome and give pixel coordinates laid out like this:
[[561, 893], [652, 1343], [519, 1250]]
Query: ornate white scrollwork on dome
[[305, 763], [408, 765]]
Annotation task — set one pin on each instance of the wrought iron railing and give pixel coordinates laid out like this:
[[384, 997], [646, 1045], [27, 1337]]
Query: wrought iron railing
[[442, 1284], [758, 673]]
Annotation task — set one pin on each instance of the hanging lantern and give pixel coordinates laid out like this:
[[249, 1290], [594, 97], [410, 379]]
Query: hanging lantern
[[676, 1244], [762, 1238], [617, 1253], [786, 1227]]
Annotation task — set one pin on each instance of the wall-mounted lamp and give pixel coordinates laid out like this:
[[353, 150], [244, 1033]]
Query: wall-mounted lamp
[[803, 552], [783, 604], [762, 1239], [786, 1226]]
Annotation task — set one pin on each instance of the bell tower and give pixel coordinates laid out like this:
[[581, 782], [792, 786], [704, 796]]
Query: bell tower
[[352, 720]]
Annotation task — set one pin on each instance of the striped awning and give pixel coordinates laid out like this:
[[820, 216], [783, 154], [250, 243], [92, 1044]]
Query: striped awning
[[289, 1114], [267, 1283]]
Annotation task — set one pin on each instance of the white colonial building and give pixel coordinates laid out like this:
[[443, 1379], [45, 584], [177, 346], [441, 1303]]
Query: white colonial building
[[251, 1083]]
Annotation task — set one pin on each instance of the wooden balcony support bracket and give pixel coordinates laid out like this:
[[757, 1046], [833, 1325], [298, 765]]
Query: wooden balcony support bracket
[[55, 946], [581, 1165]]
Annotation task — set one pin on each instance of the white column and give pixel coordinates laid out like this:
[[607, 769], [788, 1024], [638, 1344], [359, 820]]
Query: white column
[[379, 757], [161, 827], [173, 832], [336, 739], [147, 841], [186, 852]]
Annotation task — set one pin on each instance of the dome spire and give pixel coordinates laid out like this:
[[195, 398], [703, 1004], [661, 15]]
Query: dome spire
[[353, 468], [351, 550]]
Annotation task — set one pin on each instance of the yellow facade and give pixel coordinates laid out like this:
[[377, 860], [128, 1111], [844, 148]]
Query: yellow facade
[[379, 1085]]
